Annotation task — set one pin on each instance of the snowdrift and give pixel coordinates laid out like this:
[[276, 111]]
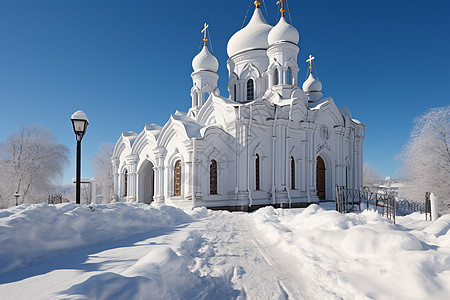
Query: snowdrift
[[363, 254], [30, 231]]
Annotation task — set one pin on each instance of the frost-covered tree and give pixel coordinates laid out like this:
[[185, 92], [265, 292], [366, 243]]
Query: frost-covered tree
[[30, 160], [104, 171], [371, 176], [426, 157]]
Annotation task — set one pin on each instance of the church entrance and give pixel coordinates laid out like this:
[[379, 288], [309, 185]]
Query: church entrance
[[320, 178], [146, 182]]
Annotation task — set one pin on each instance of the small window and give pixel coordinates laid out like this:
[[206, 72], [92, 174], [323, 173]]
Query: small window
[[250, 90], [292, 173], [257, 185], [288, 76], [275, 77], [125, 185], [213, 177], [177, 179], [235, 93]]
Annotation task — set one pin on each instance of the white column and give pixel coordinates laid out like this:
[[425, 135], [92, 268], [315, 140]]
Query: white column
[[159, 175], [131, 161], [115, 163]]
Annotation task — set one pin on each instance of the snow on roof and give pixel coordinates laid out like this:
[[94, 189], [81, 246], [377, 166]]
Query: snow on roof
[[153, 129], [192, 128], [130, 136], [316, 105]]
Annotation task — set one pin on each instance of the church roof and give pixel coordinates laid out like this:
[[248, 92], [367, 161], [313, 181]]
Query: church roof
[[205, 61], [252, 36], [283, 32]]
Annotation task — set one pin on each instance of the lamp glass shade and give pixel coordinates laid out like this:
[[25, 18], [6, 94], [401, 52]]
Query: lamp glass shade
[[79, 126], [80, 122]]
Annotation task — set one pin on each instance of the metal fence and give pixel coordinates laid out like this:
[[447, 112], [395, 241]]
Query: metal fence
[[384, 201]]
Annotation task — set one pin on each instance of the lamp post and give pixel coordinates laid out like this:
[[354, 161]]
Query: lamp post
[[80, 123], [17, 195]]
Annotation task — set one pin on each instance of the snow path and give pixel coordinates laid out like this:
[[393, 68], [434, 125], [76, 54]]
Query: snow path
[[258, 270]]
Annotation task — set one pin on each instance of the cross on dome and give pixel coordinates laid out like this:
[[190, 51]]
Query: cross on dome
[[310, 61], [257, 3], [282, 7], [205, 27]]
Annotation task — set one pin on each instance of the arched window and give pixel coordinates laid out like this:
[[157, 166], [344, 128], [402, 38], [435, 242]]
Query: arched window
[[250, 90], [292, 173], [177, 179], [288, 76], [125, 183], [275, 77], [213, 177], [235, 93], [257, 179]]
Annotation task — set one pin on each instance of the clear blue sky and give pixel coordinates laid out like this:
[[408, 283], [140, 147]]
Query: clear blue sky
[[128, 62]]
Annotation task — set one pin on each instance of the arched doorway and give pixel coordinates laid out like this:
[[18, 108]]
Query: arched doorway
[[146, 182], [320, 178]]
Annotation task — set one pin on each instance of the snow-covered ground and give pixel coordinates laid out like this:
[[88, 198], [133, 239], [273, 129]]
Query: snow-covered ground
[[136, 251]]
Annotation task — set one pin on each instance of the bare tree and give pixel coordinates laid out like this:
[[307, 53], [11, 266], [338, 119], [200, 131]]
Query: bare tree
[[426, 157], [371, 176], [30, 160], [104, 171]]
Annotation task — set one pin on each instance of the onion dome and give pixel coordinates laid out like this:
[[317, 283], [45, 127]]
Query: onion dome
[[252, 36], [283, 32], [205, 61], [312, 85]]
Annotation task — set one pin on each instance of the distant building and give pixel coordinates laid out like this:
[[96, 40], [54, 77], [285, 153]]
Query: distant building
[[269, 143]]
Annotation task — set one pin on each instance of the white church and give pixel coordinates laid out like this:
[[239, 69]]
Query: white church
[[273, 141]]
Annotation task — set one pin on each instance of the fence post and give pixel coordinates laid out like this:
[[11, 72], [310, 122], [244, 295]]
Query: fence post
[[433, 204]]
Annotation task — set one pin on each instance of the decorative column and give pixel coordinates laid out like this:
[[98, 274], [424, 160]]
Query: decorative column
[[340, 157], [115, 163], [159, 175], [131, 161]]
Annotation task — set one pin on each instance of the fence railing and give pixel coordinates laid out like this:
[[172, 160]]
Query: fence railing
[[385, 201]]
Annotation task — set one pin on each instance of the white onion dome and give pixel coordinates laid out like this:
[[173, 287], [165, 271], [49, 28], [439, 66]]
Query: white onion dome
[[312, 84], [252, 36], [205, 61], [283, 32]]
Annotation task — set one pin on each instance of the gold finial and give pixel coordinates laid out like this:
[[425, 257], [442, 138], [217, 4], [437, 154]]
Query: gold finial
[[257, 3], [282, 7], [310, 61], [205, 39]]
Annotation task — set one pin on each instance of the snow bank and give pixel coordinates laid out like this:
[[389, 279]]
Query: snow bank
[[363, 254], [161, 274], [31, 231]]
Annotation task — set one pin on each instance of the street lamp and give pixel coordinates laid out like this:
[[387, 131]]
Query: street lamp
[[17, 195], [80, 123]]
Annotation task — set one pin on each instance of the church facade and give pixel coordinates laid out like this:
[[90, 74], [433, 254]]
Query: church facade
[[271, 142]]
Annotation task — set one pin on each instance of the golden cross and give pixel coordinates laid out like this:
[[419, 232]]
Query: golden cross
[[282, 7], [205, 39], [257, 3]]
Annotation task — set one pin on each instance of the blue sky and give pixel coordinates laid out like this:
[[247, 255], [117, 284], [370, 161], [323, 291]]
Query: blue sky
[[128, 62]]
